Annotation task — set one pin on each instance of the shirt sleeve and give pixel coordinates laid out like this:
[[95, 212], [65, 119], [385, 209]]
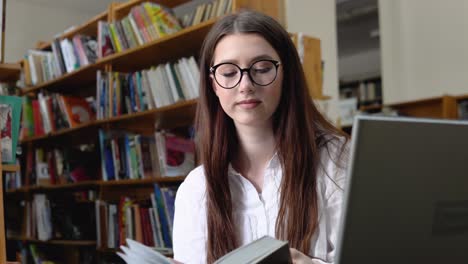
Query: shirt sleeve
[[333, 212], [334, 202], [189, 233]]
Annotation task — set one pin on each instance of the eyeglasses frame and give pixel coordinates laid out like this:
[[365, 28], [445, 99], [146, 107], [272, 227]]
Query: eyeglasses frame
[[242, 70]]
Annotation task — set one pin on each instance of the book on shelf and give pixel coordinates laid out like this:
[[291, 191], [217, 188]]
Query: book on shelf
[[367, 91], [177, 156], [7, 88], [27, 118], [348, 108], [37, 255], [42, 217], [10, 118], [463, 109], [144, 23], [206, 11], [52, 112], [71, 218], [27, 252], [13, 180], [77, 110], [133, 156], [64, 56], [148, 221], [61, 165], [165, 84], [51, 217], [263, 250]]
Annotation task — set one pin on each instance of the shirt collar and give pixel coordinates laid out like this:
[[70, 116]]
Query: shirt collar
[[272, 164]]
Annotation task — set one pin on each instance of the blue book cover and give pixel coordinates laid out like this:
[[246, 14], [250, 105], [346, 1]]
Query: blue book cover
[[132, 94], [162, 216], [101, 148], [143, 105], [169, 195]]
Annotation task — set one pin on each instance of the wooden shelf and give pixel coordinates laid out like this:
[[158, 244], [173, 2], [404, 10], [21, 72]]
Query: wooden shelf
[[60, 132], [89, 28], [96, 184], [461, 97], [9, 72], [370, 107], [160, 50], [183, 112], [67, 82], [124, 8], [67, 186], [17, 190], [165, 252], [434, 107], [56, 242], [142, 181], [142, 57], [10, 168]]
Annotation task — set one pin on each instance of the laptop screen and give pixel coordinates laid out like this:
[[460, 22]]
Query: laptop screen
[[406, 198]]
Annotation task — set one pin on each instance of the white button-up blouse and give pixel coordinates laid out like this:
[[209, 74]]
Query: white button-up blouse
[[255, 213]]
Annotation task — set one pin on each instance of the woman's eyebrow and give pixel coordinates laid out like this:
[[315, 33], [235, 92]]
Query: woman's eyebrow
[[261, 57], [254, 59]]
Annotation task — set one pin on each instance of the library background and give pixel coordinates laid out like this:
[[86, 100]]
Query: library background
[[97, 101]]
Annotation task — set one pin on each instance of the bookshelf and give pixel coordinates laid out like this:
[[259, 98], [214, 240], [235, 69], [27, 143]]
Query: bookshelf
[[9, 72], [437, 107], [79, 243], [82, 82], [4, 168], [445, 107], [440, 107], [367, 91], [180, 112], [309, 50]]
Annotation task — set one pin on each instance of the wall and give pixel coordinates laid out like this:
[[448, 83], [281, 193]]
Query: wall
[[28, 21], [365, 64], [424, 47], [317, 18]]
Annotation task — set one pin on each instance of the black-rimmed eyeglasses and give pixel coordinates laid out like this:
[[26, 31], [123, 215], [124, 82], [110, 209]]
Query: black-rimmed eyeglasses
[[262, 72]]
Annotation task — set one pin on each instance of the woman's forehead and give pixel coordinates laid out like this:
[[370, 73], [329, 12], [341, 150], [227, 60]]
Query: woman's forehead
[[243, 48]]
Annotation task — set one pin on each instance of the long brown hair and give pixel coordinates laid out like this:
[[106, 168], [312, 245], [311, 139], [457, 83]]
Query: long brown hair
[[300, 132]]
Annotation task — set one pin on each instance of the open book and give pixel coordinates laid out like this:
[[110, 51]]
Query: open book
[[262, 250]]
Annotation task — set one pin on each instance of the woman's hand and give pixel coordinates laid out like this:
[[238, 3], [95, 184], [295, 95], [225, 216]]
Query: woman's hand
[[175, 261], [299, 257]]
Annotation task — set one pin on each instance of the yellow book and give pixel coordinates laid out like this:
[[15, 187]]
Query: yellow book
[[153, 11], [148, 22], [115, 37]]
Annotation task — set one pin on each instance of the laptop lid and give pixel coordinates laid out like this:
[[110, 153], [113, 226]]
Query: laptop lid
[[406, 196]]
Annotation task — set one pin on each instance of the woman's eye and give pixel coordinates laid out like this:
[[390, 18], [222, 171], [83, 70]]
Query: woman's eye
[[262, 70], [229, 74]]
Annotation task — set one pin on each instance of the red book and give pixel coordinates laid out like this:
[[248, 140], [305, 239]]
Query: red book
[[138, 18], [78, 110], [51, 165], [37, 117]]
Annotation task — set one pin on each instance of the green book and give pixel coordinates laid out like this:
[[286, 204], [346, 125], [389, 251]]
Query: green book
[[10, 117]]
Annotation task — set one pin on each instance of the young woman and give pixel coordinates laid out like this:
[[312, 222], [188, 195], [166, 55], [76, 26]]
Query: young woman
[[271, 163]]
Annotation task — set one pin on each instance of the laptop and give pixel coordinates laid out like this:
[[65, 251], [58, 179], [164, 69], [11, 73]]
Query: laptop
[[406, 199]]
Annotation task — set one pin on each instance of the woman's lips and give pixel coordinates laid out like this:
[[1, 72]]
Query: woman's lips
[[249, 104]]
